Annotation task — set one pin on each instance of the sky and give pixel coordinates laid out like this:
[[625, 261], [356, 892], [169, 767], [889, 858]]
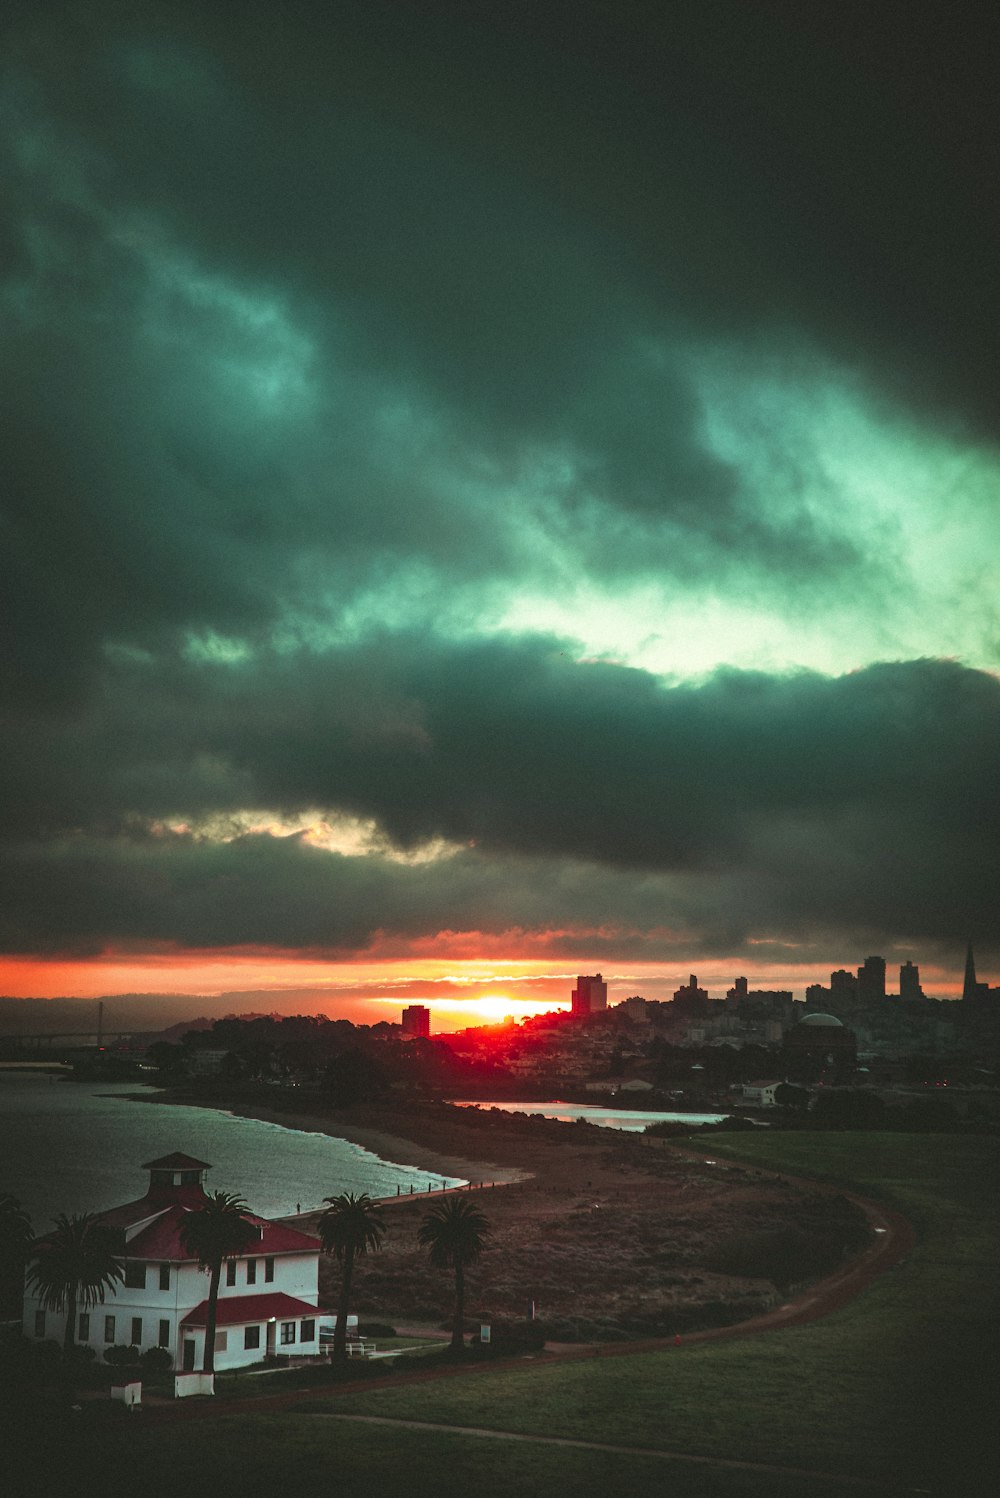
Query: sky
[[497, 492]]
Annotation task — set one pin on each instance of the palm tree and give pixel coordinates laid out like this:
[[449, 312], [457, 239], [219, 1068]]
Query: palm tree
[[454, 1230], [15, 1238], [73, 1267], [222, 1228], [350, 1226]]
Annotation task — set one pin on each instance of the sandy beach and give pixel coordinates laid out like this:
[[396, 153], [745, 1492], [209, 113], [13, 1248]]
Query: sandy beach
[[358, 1128]]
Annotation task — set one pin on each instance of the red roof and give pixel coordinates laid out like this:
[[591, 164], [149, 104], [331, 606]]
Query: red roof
[[162, 1238], [235, 1310], [176, 1161]]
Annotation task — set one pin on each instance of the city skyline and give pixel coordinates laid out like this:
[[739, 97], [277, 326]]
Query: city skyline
[[492, 497]]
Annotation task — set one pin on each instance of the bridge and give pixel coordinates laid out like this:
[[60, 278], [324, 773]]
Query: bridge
[[85, 1039]]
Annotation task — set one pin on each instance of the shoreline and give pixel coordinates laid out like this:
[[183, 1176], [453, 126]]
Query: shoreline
[[393, 1149]]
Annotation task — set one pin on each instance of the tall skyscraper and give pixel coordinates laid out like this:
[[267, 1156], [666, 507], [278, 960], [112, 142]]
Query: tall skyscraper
[[871, 980], [971, 989], [590, 996], [909, 981], [417, 1022]]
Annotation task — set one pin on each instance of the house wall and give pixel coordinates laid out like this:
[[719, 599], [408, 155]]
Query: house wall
[[294, 1274]]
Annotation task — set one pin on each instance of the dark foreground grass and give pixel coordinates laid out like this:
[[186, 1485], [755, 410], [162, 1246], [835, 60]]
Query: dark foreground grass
[[897, 1388], [900, 1385], [321, 1456]]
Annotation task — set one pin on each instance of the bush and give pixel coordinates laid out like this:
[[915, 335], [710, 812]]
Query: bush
[[156, 1360], [509, 1336], [122, 1357], [782, 1255], [80, 1355]]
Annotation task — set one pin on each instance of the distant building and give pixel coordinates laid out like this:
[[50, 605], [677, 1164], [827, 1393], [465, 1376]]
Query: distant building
[[737, 993], [635, 1008], [871, 980], [760, 1093], [206, 1063], [822, 1035], [971, 989], [909, 981], [590, 996], [843, 986], [690, 990], [416, 1022]]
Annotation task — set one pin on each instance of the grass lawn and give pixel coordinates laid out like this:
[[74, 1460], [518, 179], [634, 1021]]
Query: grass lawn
[[898, 1387], [898, 1383]]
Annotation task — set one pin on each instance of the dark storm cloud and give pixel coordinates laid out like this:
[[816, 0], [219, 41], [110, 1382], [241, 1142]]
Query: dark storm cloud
[[288, 304], [744, 805], [383, 317]]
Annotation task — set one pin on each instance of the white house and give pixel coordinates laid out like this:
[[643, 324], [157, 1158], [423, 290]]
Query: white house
[[268, 1297], [760, 1093]]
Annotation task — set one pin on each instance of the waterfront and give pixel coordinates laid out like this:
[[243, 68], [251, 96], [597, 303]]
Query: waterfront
[[78, 1147], [631, 1120]]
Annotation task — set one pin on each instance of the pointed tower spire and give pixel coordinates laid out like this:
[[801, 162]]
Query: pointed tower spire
[[970, 986]]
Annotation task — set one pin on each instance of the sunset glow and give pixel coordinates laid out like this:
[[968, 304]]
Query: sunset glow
[[460, 993]]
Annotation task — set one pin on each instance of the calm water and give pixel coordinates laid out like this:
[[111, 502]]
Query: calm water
[[78, 1147], [632, 1120]]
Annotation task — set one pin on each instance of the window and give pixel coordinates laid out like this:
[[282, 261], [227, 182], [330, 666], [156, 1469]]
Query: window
[[269, 1270], [190, 1177], [221, 1341], [135, 1275], [287, 1332], [164, 1276], [136, 1331], [84, 1331], [163, 1340], [109, 1328], [39, 1323], [251, 1337], [307, 1331], [231, 1272], [251, 1271]]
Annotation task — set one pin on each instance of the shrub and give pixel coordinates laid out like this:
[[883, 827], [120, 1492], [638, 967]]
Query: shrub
[[122, 1357], [669, 1128], [510, 1335], [156, 1359], [782, 1255], [80, 1355]]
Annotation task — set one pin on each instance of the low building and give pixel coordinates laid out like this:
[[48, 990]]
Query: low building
[[268, 1297], [760, 1094]]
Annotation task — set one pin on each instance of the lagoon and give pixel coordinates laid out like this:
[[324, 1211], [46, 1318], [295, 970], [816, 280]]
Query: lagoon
[[631, 1120]]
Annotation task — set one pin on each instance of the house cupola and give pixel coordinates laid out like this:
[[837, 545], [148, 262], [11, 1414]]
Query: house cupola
[[176, 1177]]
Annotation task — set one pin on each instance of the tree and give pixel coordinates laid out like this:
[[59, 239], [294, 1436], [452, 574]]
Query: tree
[[222, 1228], [786, 1095], [15, 1239], [74, 1266], [352, 1077], [455, 1231], [350, 1226]]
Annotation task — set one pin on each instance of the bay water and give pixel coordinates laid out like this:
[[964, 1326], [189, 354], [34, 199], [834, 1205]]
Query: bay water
[[79, 1147]]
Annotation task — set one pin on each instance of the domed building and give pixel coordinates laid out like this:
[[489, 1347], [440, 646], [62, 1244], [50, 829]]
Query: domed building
[[820, 1040]]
